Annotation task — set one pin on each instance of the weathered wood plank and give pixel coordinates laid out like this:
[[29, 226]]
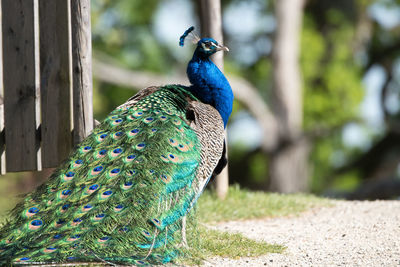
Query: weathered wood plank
[[82, 69], [21, 88], [2, 139], [55, 80]]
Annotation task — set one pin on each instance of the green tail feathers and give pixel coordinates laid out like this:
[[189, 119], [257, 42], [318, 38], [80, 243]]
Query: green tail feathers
[[120, 196]]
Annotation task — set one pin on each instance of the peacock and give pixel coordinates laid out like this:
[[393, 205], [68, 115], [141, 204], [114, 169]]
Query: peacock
[[122, 195]]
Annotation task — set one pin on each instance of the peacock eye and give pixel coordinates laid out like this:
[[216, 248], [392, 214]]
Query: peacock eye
[[208, 45]]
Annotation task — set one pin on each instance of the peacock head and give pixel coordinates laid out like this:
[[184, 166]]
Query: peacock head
[[208, 46], [205, 46]]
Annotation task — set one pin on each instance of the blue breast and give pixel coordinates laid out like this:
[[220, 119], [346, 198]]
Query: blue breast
[[210, 85]]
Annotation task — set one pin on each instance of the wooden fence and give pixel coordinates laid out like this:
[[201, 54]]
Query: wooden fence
[[46, 81]]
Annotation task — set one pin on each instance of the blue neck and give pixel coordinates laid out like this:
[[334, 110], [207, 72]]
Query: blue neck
[[210, 85]]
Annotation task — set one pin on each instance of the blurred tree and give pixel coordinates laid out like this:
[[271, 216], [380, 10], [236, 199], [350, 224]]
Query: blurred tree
[[288, 163]]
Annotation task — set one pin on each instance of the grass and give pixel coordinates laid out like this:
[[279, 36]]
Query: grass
[[242, 204], [210, 243]]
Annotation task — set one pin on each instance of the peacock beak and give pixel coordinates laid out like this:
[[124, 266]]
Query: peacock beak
[[222, 48]]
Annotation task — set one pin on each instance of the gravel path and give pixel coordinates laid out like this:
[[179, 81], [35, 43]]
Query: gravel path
[[358, 233]]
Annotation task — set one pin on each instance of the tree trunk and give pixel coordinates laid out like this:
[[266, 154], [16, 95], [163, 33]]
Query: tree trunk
[[288, 170], [211, 26]]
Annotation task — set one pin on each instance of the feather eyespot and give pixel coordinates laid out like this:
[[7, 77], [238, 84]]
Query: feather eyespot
[[59, 223], [138, 114], [180, 129], [101, 154], [115, 152], [64, 194], [86, 149], [73, 238], [177, 122], [94, 187], [105, 195], [99, 217], [24, 259], [49, 250], [124, 229], [77, 163], [101, 137], [183, 148], [130, 158], [64, 208], [148, 120], [146, 233], [117, 135], [76, 222], [140, 146], [86, 208], [103, 239], [118, 208], [164, 158], [35, 224], [163, 118], [127, 185], [96, 170], [156, 222], [91, 189], [69, 176], [130, 172], [57, 236], [166, 178], [114, 172], [133, 132], [173, 142], [31, 211], [173, 158]]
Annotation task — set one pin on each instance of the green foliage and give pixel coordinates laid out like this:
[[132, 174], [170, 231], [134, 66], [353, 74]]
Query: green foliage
[[258, 168], [332, 81], [332, 86], [347, 182]]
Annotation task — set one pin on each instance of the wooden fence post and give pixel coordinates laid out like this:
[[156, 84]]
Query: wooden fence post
[[55, 80], [81, 69], [2, 133], [211, 26], [21, 58]]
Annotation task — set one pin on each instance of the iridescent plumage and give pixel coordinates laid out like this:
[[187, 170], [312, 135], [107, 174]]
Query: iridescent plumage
[[121, 195]]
